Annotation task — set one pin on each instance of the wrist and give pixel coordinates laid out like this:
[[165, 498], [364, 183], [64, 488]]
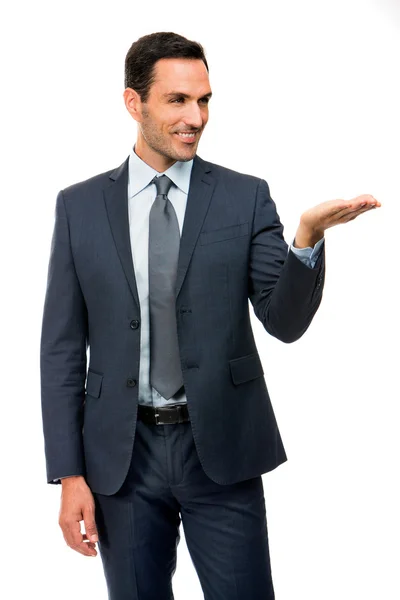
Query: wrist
[[71, 479], [306, 237]]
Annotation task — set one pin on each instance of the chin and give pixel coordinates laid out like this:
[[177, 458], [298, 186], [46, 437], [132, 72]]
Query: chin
[[188, 157], [184, 155]]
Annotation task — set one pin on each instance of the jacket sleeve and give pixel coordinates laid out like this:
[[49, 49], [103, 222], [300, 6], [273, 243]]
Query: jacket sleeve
[[285, 293], [63, 345]]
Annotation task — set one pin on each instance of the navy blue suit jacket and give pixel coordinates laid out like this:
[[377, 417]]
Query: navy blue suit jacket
[[232, 250]]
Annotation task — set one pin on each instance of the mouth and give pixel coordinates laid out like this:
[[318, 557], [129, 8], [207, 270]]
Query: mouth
[[187, 138]]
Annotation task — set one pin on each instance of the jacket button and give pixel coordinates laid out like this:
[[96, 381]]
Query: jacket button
[[134, 324], [131, 382]]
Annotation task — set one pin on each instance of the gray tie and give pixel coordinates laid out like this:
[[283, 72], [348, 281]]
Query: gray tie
[[164, 241]]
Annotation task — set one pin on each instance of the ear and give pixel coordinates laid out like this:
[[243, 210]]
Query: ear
[[133, 103]]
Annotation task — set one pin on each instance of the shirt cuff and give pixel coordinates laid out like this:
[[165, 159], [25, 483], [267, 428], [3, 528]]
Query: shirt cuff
[[308, 256]]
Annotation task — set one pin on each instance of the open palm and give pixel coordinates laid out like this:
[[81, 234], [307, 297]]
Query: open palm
[[333, 212]]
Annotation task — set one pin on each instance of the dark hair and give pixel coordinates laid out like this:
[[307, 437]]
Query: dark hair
[[148, 49]]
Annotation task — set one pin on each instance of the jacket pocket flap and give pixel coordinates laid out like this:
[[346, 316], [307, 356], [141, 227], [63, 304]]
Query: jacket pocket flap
[[225, 233], [93, 383], [246, 368]]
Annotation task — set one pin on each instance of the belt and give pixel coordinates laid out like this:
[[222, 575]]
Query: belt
[[163, 415]]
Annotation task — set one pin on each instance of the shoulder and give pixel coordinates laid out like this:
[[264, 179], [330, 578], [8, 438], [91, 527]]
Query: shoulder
[[91, 184], [230, 176], [87, 190]]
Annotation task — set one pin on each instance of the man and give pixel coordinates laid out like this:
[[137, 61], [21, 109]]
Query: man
[[152, 266]]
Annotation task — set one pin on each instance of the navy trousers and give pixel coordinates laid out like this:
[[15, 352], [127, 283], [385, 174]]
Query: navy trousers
[[225, 526]]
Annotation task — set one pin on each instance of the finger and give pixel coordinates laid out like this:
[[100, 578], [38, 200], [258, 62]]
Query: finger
[[346, 209], [74, 538], [366, 199], [86, 548], [363, 200], [357, 203], [352, 214], [342, 215], [90, 524], [89, 543], [338, 207]]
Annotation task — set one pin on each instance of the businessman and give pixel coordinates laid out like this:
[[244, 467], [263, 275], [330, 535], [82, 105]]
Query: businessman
[[152, 267]]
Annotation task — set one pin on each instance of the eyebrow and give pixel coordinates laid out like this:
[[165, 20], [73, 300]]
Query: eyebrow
[[184, 95]]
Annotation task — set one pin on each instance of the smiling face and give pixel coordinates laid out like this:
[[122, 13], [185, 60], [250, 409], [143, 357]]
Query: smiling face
[[177, 104]]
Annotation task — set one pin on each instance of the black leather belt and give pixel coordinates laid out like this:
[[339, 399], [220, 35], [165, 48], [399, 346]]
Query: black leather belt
[[163, 415]]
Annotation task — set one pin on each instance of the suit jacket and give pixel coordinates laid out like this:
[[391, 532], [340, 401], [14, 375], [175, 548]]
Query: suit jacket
[[232, 250]]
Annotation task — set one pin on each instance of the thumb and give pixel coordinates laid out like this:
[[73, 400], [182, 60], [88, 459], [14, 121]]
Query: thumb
[[90, 525]]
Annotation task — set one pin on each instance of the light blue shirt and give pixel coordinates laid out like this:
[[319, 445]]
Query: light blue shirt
[[141, 195]]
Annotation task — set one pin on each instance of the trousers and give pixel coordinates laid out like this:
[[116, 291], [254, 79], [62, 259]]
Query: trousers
[[225, 526]]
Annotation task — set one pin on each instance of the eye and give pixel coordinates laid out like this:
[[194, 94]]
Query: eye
[[179, 100]]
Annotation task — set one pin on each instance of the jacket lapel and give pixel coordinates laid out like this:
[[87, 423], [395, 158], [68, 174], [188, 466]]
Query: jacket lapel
[[116, 200], [201, 187]]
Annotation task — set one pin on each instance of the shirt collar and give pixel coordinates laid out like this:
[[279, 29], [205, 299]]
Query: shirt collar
[[141, 174]]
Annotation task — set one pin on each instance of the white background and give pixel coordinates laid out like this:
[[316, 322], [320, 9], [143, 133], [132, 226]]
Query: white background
[[305, 95]]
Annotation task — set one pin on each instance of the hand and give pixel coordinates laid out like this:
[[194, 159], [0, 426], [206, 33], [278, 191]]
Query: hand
[[77, 504], [316, 220]]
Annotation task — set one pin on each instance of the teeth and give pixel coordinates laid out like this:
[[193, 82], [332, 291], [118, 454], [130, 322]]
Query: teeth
[[187, 134]]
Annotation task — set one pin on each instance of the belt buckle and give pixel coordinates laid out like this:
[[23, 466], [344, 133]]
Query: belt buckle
[[180, 413], [156, 416], [177, 408]]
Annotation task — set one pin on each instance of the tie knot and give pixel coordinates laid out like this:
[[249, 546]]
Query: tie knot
[[163, 184]]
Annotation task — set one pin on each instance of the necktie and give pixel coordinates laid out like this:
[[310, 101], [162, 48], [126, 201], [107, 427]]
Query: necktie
[[164, 240]]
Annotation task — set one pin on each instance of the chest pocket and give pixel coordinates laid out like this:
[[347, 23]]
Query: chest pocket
[[224, 233]]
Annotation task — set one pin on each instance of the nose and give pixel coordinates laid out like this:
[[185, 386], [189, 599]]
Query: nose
[[194, 116]]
